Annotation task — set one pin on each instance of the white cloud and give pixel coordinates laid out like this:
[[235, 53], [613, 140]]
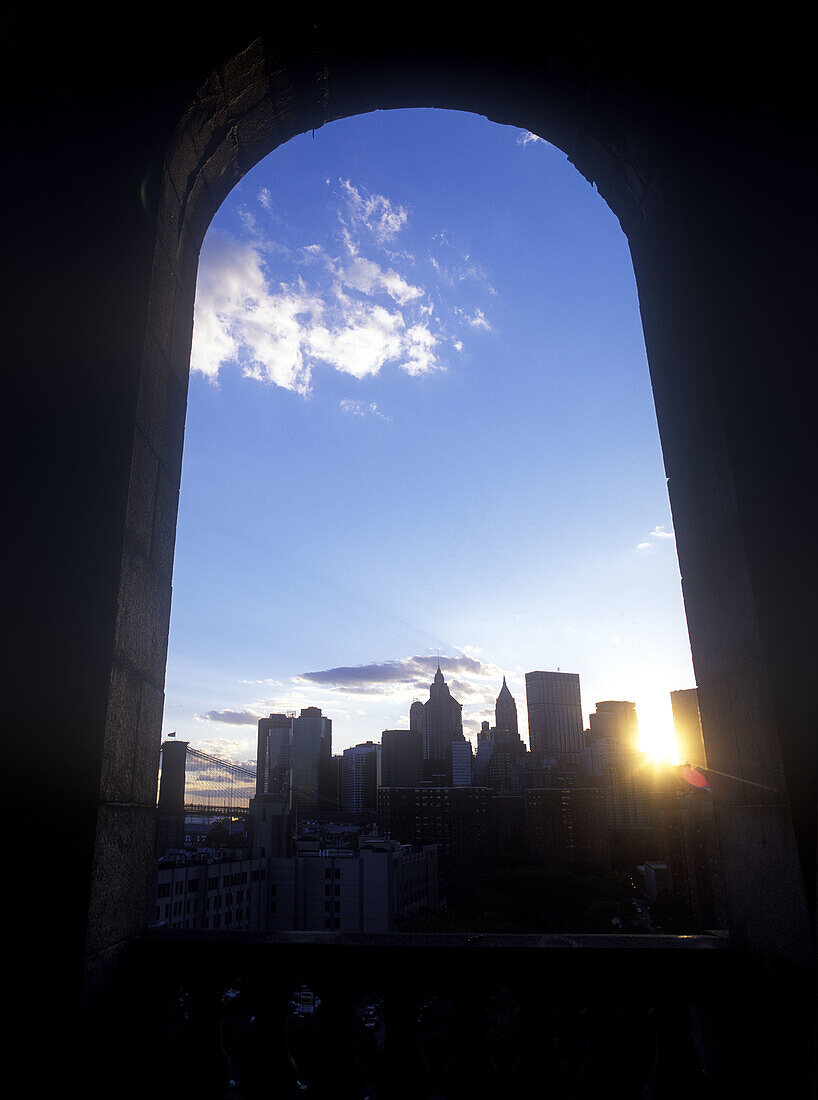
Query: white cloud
[[275, 336], [383, 219], [525, 137], [419, 349], [658, 533], [369, 337], [238, 319], [350, 313], [368, 277]]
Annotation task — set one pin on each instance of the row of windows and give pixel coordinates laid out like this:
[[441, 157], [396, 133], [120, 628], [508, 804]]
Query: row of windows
[[238, 916]]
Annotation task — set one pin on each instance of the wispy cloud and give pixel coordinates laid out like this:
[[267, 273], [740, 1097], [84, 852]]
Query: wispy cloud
[[455, 267], [525, 137], [362, 408], [477, 319], [376, 214]]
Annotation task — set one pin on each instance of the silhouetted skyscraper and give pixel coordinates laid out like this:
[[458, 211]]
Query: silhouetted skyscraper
[[311, 759], [416, 717], [505, 710], [273, 753], [498, 753], [554, 714], [459, 759], [359, 776], [401, 757], [440, 720]]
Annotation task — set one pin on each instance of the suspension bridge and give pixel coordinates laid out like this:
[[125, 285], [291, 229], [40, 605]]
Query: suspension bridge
[[192, 782], [204, 784]]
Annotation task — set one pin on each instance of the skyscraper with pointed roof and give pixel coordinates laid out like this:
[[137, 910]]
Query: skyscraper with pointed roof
[[440, 720], [505, 710]]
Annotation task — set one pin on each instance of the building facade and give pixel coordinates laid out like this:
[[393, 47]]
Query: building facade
[[457, 819], [311, 760], [340, 890], [360, 777], [211, 896], [554, 705], [273, 753], [401, 758]]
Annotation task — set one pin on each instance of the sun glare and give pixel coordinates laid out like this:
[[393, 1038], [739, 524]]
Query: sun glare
[[657, 737]]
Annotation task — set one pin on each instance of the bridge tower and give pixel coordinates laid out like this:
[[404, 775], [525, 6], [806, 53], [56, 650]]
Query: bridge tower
[[170, 811]]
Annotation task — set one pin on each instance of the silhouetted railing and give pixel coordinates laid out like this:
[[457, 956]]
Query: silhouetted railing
[[330, 1015]]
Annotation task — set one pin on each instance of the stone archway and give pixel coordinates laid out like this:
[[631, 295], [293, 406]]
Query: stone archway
[[619, 134]]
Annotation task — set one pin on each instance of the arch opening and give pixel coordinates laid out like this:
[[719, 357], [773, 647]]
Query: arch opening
[[219, 139], [422, 400]]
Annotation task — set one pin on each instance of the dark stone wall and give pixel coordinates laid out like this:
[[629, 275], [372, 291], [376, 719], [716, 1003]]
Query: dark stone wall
[[121, 143]]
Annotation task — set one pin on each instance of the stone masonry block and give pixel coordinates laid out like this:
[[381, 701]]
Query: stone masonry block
[[123, 863], [143, 617]]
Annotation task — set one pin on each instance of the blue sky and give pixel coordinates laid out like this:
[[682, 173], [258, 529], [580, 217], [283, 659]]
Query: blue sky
[[419, 422]]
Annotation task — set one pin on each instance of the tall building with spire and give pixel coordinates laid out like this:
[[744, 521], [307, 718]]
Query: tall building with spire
[[505, 710], [440, 721]]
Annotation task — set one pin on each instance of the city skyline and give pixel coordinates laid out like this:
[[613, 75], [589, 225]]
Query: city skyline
[[357, 314]]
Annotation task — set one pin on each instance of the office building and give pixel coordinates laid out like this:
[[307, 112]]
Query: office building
[[273, 753], [615, 719], [459, 760], [401, 757], [360, 777], [554, 715], [612, 757], [311, 761]]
